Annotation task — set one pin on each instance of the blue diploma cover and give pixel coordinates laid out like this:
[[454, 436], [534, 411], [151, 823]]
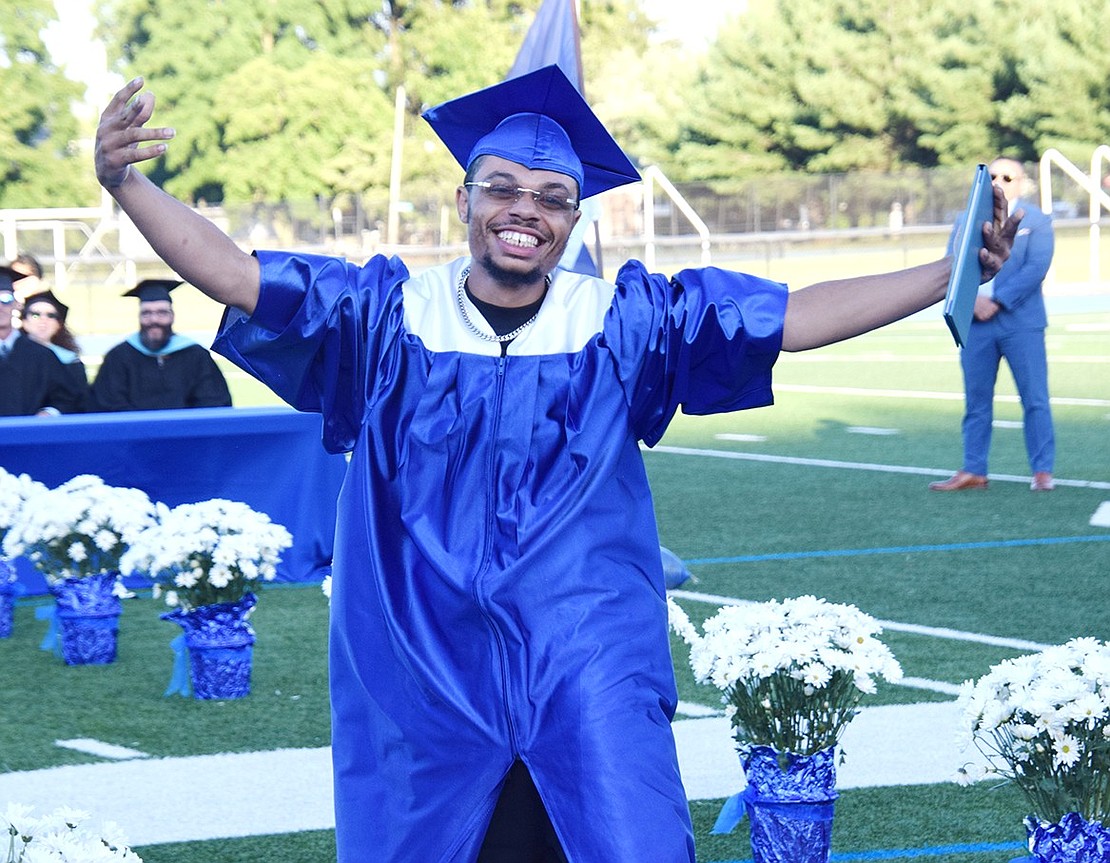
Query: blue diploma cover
[[963, 285]]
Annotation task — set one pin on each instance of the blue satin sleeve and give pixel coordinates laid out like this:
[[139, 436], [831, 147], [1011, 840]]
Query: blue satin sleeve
[[320, 324], [706, 341]]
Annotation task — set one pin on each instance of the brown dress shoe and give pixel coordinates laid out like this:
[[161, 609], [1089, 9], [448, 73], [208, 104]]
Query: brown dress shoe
[[1042, 481], [961, 481]]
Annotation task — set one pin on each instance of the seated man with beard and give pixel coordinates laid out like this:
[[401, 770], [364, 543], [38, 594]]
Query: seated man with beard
[[155, 368]]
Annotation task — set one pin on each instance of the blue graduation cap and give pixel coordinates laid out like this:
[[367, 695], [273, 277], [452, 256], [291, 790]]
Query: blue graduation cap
[[538, 120]]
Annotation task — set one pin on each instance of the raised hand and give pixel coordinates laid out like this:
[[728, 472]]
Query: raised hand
[[121, 129], [998, 236]]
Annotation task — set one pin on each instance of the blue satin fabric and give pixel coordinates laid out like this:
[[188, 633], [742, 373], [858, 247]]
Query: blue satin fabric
[[498, 588]]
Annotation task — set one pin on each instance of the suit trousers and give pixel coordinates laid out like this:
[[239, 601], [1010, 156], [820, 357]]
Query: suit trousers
[[1024, 351]]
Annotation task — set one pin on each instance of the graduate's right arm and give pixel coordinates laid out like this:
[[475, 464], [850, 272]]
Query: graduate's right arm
[[198, 251]]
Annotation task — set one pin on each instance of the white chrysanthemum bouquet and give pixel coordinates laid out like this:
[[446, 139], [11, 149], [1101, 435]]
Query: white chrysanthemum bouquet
[[15, 489], [1043, 723], [79, 529], [61, 838], [792, 673], [207, 553]]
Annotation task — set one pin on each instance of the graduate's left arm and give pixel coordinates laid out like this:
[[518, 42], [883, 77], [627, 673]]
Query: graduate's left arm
[[832, 311]]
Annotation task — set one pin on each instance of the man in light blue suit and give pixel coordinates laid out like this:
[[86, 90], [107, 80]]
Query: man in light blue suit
[[1009, 321]]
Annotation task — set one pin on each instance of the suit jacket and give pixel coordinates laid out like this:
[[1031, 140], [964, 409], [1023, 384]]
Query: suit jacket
[[1017, 287]]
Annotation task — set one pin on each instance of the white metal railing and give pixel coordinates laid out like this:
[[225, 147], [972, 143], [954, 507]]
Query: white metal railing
[[653, 175], [106, 237], [1090, 183]]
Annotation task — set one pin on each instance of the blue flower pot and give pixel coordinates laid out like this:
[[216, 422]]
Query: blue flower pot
[[87, 615], [790, 810], [219, 639], [1072, 840], [7, 596]]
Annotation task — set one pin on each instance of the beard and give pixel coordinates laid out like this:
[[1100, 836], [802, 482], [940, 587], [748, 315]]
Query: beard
[[510, 278], [155, 337]]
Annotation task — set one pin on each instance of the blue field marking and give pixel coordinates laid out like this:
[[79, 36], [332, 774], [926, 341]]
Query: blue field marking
[[913, 853], [898, 549]]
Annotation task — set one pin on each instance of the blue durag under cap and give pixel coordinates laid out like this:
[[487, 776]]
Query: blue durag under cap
[[534, 141], [538, 120]]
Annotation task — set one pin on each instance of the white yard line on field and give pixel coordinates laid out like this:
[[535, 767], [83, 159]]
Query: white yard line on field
[[925, 394], [892, 625], [156, 800], [100, 749], [855, 465]]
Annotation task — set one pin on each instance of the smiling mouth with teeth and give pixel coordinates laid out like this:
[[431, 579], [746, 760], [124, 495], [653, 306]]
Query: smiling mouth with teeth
[[525, 241]]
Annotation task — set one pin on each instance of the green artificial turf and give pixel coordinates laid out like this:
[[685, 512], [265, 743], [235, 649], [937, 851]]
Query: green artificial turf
[[819, 503]]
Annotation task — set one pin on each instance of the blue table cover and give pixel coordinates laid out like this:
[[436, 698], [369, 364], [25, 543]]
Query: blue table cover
[[270, 458]]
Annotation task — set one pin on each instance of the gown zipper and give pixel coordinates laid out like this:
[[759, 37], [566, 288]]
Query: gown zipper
[[487, 554]]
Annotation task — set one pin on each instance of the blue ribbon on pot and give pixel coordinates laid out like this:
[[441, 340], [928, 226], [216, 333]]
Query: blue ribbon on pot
[[802, 786], [738, 805], [732, 813], [179, 680], [50, 641], [675, 572]]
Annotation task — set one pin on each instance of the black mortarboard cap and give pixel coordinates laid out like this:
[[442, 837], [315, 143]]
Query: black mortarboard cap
[[149, 290], [8, 277], [538, 120], [47, 297]]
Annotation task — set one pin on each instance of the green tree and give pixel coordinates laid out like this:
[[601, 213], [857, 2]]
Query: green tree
[[287, 101], [846, 85], [1062, 60], [635, 84], [261, 94], [438, 50], [41, 164]]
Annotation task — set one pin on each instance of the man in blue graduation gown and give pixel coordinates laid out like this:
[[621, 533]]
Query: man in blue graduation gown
[[156, 368], [498, 629]]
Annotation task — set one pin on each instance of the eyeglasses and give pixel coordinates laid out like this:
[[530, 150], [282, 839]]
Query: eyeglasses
[[54, 316], [1005, 178], [7, 298], [503, 193]]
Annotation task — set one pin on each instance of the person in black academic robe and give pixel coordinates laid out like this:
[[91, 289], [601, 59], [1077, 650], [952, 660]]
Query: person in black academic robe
[[155, 368], [32, 378], [133, 380], [33, 381], [44, 320]]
